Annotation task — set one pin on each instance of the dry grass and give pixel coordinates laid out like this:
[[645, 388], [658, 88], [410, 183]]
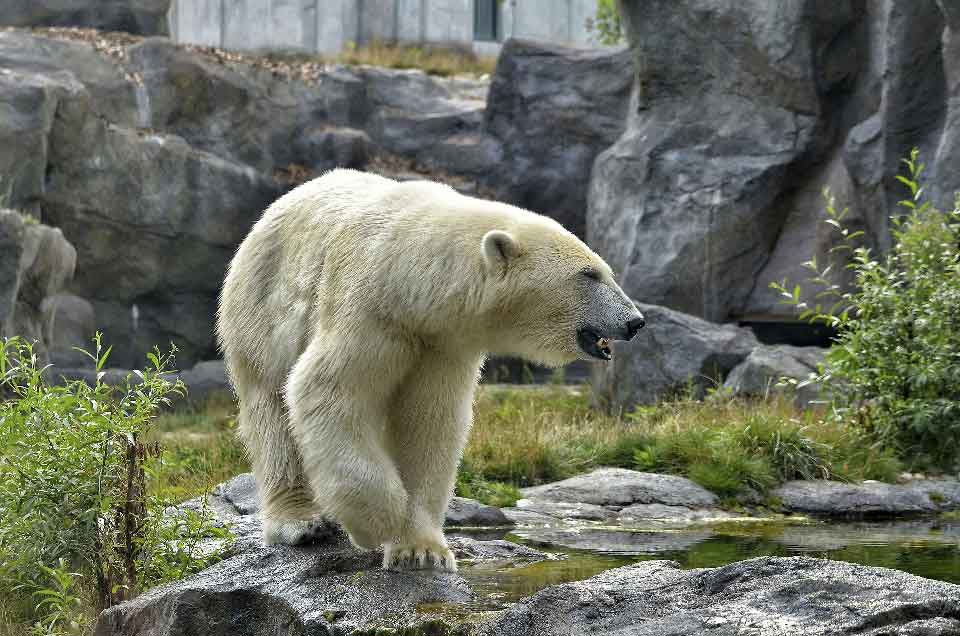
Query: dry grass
[[727, 445], [533, 435], [443, 61]]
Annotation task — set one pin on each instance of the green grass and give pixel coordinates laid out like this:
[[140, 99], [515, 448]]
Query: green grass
[[433, 60], [200, 448], [728, 445], [524, 437]]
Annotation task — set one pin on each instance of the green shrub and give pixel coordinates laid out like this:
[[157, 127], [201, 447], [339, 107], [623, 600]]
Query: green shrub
[[78, 518], [894, 367], [606, 24]]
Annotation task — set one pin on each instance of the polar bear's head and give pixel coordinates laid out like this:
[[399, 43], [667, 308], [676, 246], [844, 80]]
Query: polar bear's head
[[556, 300]]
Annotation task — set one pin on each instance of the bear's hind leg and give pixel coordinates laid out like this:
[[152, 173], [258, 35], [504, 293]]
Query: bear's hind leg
[[286, 504]]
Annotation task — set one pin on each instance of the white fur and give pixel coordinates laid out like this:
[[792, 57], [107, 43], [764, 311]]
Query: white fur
[[354, 321]]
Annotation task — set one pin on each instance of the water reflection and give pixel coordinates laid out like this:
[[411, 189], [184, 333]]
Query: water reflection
[[926, 548]]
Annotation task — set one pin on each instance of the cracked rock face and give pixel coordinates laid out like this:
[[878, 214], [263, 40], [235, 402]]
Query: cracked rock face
[[741, 114], [768, 596]]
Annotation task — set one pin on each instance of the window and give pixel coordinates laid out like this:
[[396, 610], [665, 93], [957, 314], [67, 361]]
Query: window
[[485, 20]]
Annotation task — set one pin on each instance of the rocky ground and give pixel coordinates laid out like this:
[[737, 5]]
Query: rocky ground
[[331, 588]]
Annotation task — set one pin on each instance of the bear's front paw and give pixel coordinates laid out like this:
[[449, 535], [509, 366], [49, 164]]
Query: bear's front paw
[[419, 555]]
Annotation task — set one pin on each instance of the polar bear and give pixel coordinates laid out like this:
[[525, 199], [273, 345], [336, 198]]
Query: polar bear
[[354, 320]]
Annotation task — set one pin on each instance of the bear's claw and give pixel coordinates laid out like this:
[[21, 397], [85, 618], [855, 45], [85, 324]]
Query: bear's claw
[[430, 556]]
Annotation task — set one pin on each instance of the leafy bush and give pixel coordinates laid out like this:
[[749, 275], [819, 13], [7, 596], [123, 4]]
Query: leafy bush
[[79, 520], [894, 367], [606, 25]]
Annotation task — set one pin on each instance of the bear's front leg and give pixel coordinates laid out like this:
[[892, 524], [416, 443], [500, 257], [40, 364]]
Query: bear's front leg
[[429, 424], [338, 420]]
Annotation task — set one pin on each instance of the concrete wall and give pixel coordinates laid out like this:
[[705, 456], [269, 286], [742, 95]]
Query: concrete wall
[[327, 26]]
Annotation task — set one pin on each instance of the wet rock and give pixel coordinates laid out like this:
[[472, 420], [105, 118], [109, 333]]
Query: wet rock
[[241, 493], [529, 518], [554, 109], [867, 499], [612, 540], [618, 488], [659, 512], [822, 537], [760, 372], [770, 596], [497, 551], [565, 510], [943, 493], [145, 17], [326, 587], [673, 354], [463, 512]]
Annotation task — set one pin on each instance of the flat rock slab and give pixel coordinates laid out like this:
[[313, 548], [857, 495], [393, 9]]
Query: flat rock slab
[[618, 488], [613, 540], [868, 499], [328, 587], [769, 596]]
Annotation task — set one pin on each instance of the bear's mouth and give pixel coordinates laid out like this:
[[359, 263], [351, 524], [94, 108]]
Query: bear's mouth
[[593, 344]]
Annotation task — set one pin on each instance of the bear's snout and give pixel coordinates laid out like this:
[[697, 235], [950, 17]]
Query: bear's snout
[[635, 325]]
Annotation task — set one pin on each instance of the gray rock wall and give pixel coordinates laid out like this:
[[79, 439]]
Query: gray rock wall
[[741, 114], [155, 159], [144, 17]]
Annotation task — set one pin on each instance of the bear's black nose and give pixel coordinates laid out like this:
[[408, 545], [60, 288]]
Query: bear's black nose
[[633, 326]]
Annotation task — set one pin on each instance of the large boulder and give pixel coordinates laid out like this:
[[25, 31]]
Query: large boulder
[[554, 109], [741, 115], [617, 488], [674, 354], [11, 246], [759, 374], [772, 596], [725, 107], [72, 325], [156, 222], [868, 499], [36, 263], [145, 17], [946, 179], [72, 63]]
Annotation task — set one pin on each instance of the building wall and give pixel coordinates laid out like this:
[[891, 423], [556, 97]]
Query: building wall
[[327, 26]]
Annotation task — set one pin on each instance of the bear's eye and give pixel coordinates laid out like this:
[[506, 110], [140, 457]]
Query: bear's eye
[[591, 274]]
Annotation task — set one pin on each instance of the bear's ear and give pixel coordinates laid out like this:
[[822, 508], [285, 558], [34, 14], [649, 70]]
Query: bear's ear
[[498, 248]]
